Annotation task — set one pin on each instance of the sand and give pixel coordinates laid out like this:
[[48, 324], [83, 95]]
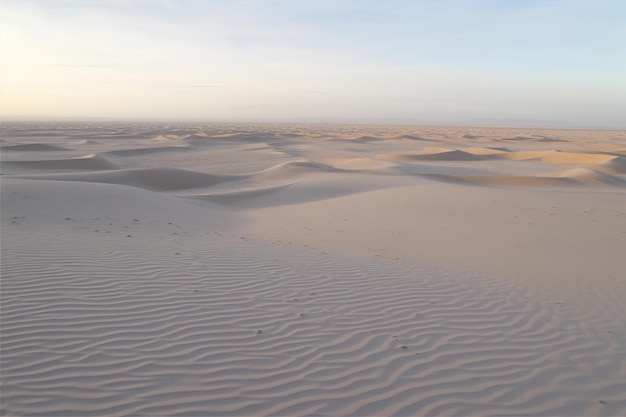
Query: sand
[[257, 269]]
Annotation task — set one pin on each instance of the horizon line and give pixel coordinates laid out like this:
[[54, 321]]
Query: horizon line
[[474, 123]]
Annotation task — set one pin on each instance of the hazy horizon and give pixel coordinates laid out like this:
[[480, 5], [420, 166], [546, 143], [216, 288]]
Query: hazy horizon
[[476, 123], [549, 63]]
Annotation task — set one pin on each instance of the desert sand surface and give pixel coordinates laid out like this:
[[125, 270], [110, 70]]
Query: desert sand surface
[[311, 270]]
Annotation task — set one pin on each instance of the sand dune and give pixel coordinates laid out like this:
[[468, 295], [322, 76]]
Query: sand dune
[[288, 169], [615, 165], [558, 157], [33, 147], [147, 151], [486, 151], [156, 179], [430, 154], [226, 269], [234, 137], [477, 154], [84, 142], [54, 207], [239, 197], [587, 175], [511, 181], [597, 168], [83, 163], [358, 164], [366, 139], [522, 155], [301, 190], [413, 137]]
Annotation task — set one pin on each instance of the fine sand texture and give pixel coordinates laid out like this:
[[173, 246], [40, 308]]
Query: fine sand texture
[[311, 270]]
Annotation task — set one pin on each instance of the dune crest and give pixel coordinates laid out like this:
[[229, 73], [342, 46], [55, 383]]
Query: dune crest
[[89, 162], [156, 179], [33, 147]]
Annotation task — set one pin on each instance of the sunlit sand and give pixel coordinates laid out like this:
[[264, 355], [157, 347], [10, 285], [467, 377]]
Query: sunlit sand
[[241, 269]]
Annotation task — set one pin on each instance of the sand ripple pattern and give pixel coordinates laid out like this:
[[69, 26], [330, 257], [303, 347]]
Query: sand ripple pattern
[[235, 327]]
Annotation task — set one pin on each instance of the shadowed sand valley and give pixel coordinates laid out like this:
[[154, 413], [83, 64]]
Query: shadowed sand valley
[[258, 269]]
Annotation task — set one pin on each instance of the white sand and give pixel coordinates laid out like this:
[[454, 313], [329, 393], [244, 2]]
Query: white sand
[[312, 270]]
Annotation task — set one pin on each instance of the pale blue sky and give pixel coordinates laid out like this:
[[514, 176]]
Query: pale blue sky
[[441, 61]]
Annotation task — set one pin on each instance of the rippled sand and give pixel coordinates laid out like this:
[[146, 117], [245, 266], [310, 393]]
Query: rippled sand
[[239, 269]]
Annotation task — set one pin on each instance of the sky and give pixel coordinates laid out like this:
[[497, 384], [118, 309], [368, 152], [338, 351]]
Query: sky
[[557, 62]]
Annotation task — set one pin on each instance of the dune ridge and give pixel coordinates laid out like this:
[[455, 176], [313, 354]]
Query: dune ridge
[[83, 163], [156, 179], [33, 147], [147, 151], [475, 154]]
